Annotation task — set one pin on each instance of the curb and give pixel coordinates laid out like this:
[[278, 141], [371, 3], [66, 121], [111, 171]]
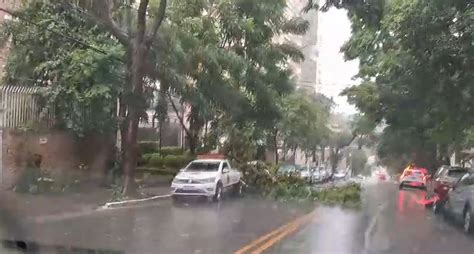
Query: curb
[[131, 202]]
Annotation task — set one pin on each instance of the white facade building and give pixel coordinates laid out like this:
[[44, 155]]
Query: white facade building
[[306, 72]]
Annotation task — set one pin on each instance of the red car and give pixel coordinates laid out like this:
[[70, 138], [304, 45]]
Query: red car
[[414, 177], [382, 177], [443, 180]]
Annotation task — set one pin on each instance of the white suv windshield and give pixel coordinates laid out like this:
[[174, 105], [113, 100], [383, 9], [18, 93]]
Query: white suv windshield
[[203, 166]]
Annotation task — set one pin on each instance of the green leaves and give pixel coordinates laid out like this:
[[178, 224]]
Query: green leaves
[[416, 70], [296, 25], [303, 122], [82, 84]]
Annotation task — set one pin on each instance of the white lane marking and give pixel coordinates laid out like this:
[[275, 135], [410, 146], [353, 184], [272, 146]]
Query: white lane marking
[[369, 232]]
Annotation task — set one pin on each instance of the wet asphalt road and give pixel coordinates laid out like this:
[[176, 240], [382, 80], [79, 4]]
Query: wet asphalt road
[[197, 227], [390, 221]]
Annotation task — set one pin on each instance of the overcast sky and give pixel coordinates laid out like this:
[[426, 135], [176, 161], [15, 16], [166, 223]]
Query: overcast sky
[[335, 73]]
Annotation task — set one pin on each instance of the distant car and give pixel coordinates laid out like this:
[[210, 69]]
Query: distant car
[[324, 174], [321, 174], [382, 177], [414, 177], [442, 181], [287, 170], [339, 175], [459, 203], [316, 176], [305, 173]]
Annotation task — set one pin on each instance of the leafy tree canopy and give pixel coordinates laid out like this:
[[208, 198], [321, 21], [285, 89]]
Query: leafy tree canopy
[[415, 61], [79, 80], [304, 121]]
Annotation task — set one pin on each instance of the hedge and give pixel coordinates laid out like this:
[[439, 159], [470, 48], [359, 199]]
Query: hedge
[[156, 171], [148, 147], [171, 150], [168, 161], [153, 147]]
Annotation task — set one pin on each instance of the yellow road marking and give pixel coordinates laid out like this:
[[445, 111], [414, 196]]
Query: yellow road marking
[[263, 238], [290, 230], [275, 235], [276, 239]]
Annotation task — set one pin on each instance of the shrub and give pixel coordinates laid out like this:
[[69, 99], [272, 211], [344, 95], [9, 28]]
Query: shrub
[[176, 161], [35, 181], [153, 160], [171, 150], [148, 147], [157, 171], [348, 195], [156, 160], [29, 181]]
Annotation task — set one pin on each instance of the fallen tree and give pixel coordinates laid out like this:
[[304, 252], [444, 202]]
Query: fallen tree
[[262, 180]]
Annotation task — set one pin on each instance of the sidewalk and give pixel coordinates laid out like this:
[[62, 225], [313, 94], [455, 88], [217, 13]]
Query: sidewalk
[[41, 205]]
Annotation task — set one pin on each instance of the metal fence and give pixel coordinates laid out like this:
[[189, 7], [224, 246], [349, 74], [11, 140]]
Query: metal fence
[[20, 107]]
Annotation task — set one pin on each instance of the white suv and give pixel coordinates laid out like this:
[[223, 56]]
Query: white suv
[[206, 177]]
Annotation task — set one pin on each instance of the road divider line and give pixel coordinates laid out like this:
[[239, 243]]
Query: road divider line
[[263, 238], [278, 233], [370, 229], [288, 231], [276, 239]]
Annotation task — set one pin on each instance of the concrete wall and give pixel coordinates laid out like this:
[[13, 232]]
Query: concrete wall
[[62, 153]]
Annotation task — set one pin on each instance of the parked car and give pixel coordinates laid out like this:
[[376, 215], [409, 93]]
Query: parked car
[[317, 176], [287, 170], [340, 175], [442, 181], [324, 174], [459, 203], [320, 174], [305, 172], [208, 178], [414, 177]]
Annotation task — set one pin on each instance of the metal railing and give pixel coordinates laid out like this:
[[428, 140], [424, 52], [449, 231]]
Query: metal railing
[[20, 107]]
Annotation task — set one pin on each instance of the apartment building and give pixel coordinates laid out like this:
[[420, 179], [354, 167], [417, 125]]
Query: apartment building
[[306, 72]]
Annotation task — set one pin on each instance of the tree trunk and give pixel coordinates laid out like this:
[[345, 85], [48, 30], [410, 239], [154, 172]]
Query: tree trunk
[[130, 155], [294, 154], [131, 151], [323, 153], [275, 141], [192, 141], [160, 135], [334, 157]]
